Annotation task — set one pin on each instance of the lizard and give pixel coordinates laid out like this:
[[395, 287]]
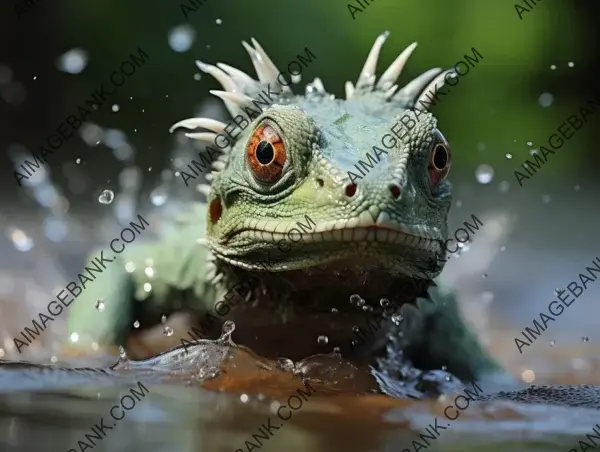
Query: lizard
[[367, 237]]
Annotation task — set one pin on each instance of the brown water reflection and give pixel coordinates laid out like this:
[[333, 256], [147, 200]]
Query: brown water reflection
[[186, 410]]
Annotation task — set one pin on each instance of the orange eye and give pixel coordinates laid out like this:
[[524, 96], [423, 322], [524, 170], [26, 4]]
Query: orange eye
[[266, 154], [440, 161]]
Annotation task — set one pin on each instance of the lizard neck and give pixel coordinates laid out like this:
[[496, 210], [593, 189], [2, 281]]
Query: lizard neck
[[300, 313]]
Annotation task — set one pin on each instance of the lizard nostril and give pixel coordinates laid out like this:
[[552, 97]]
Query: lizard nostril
[[350, 190], [395, 190], [216, 209]]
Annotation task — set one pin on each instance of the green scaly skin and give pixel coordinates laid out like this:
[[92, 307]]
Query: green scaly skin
[[369, 243]]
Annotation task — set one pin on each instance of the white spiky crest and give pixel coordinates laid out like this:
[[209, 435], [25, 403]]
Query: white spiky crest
[[240, 87]]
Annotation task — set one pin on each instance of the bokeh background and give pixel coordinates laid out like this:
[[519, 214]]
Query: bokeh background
[[535, 72]]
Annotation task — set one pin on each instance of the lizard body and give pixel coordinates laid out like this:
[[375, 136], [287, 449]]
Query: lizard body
[[365, 236]]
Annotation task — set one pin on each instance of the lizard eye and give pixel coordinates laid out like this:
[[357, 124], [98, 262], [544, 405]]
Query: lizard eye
[[266, 154], [440, 160]]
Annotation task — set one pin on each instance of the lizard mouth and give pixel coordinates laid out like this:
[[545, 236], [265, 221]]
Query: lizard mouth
[[274, 246], [351, 230]]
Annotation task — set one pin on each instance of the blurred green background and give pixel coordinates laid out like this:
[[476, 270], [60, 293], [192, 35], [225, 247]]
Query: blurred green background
[[494, 110]]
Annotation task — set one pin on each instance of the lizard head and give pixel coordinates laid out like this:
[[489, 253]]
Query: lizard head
[[353, 188]]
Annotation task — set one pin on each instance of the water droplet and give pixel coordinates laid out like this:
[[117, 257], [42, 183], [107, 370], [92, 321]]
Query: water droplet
[[552, 343], [458, 203], [356, 300], [136, 324], [168, 331], [181, 38], [106, 197], [219, 21], [529, 143], [577, 188], [484, 275], [546, 99], [2, 353], [100, 304], [149, 271], [228, 328], [571, 64], [367, 308], [502, 248], [163, 319], [147, 287], [356, 329], [397, 318], [130, 267], [244, 398], [197, 76], [322, 340], [508, 156], [285, 364], [78, 161], [53, 359], [444, 368], [158, 196], [334, 310], [503, 186], [73, 61], [546, 199], [528, 376], [336, 350], [115, 108], [21, 241], [74, 337], [484, 174], [553, 67], [384, 302], [585, 339], [122, 352]]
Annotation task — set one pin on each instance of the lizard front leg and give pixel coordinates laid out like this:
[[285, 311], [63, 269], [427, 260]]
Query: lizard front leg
[[434, 336], [145, 283]]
